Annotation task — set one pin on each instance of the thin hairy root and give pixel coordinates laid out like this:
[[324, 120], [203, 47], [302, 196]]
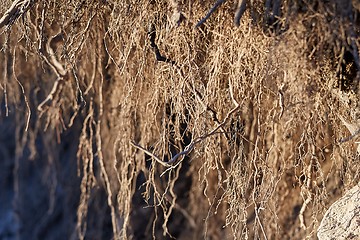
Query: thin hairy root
[[23, 92], [213, 9], [195, 141], [155, 48], [186, 132], [48, 55], [17, 9], [56, 89], [104, 172], [241, 8], [354, 130], [306, 190]]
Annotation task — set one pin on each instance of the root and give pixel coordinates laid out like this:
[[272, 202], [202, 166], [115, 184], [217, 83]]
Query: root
[[23, 92], [239, 12], [188, 149], [213, 9], [306, 190], [17, 9]]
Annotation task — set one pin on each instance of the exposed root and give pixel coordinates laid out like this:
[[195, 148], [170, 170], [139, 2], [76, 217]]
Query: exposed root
[[23, 93], [17, 9], [242, 122], [241, 8], [211, 11]]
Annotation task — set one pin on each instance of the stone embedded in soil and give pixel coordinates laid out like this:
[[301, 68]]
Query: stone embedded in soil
[[342, 219]]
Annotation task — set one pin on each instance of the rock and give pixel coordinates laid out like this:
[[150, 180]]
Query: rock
[[342, 219]]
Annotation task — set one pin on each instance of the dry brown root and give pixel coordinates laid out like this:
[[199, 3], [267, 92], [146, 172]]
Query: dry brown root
[[241, 8], [211, 11]]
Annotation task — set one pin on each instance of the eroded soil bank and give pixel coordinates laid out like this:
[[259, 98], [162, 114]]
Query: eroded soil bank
[[185, 119]]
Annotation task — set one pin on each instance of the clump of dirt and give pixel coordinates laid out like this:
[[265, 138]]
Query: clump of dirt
[[160, 119]]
